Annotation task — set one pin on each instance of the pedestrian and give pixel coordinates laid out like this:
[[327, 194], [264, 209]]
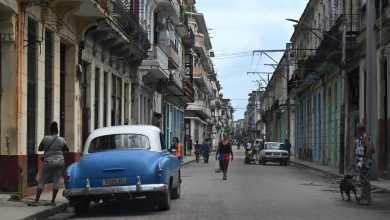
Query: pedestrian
[[177, 147], [189, 144], [248, 147], [53, 162], [363, 159], [287, 147], [224, 154], [197, 151], [206, 150]]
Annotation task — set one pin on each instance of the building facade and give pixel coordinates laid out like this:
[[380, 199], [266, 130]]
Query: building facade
[[94, 63]]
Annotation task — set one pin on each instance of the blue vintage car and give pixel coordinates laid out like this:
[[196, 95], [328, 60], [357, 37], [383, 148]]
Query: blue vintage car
[[123, 162]]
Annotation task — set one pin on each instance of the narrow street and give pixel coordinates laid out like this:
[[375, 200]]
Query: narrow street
[[251, 192]]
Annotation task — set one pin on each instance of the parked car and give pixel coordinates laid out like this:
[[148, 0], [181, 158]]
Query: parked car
[[273, 152], [123, 162]]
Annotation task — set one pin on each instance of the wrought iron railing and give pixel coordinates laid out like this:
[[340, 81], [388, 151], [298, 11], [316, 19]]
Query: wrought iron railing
[[127, 20]]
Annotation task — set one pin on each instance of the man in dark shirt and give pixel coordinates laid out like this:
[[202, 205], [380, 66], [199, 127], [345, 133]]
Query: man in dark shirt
[[287, 147], [206, 150]]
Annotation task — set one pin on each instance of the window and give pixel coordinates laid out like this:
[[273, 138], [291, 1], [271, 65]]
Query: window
[[116, 100], [162, 141], [105, 98], [48, 79], [62, 89], [97, 91], [119, 142]]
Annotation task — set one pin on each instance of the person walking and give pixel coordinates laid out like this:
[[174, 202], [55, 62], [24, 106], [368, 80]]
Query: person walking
[[177, 147], [206, 150], [53, 162], [197, 151], [189, 144], [224, 154], [363, 159], [287, 147]]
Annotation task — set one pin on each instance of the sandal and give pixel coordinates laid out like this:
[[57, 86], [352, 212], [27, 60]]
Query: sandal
[[33, 204]]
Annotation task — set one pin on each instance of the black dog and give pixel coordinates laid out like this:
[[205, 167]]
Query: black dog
[[346, 186]]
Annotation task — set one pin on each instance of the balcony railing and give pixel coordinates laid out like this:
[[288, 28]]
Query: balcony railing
[[199, 43], [127, 21], [200, 105], [157, 54]]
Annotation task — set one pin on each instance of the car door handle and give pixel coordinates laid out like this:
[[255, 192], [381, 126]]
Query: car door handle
[[114, 170]]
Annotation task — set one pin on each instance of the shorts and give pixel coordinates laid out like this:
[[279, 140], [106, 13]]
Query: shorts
[[50, 173], [364, 175]]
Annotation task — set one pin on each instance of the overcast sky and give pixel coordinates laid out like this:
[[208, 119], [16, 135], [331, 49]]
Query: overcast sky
[[239, 27]]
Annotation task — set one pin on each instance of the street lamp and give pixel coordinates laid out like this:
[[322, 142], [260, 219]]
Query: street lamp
[[343, 123]]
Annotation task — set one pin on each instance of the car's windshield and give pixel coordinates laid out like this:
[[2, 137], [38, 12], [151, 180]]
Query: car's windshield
[[118, 142], [273, 146]]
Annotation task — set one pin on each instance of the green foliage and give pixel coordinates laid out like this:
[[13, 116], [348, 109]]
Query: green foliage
[[328, 68], [16, 196]]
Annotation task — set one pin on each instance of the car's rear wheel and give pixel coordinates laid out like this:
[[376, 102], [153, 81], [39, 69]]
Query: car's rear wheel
[[165, 200]]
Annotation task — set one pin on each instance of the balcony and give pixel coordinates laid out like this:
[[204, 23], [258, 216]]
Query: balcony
[[168, 8], [201, 107], [110, 23], [201, 49], [172, 52], [201, 79], [157, 63]]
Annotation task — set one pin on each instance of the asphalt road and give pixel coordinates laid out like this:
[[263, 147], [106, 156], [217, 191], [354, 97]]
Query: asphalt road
[[251, 192]]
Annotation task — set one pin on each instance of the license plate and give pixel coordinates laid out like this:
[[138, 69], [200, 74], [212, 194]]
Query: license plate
[[114, 182], [276, 154]]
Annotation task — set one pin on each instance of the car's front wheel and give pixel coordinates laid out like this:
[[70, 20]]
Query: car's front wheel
[[177, 190], [165, 200], [262, 161], [80, 205]]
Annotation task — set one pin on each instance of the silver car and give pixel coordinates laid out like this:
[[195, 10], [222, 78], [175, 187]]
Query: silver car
[[273, 152]]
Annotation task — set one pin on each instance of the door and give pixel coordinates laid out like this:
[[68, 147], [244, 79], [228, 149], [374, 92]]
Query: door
[[353, 120], [62, 89], [32, 156]]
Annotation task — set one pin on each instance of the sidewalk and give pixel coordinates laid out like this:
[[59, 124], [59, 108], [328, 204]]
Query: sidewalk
[[12, 210], [382, 184]]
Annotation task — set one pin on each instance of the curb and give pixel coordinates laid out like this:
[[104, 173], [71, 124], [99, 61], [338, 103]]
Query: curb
[[316, 169], [48, 212], [193, 160], [336, 176]]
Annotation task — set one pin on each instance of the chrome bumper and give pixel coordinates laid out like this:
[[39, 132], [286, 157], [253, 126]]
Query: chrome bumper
[[115, 190]]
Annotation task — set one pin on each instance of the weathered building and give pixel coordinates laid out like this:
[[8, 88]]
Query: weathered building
[[70, 62], [165, 85]]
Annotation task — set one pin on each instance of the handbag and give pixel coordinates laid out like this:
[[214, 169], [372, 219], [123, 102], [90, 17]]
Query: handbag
[[217, 167]]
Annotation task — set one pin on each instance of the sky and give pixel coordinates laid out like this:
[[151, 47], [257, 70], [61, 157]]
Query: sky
[[237, 28]]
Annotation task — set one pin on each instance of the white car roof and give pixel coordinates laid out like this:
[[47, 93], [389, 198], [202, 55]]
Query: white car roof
[[152, 132]]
